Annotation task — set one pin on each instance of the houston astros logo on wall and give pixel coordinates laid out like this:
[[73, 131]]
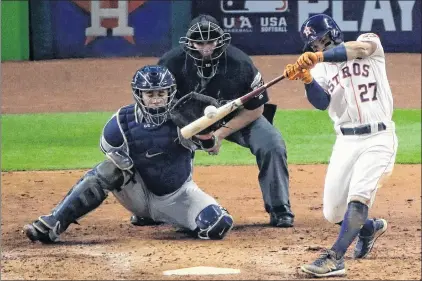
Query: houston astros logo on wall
[[112, 14]]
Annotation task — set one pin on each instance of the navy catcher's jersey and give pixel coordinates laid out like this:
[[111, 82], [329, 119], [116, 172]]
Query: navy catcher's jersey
[[163, 163], [236, 76]]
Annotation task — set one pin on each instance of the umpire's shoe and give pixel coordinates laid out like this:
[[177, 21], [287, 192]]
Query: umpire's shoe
[[281, 219], [366, 243], [143, 221], [326, 265], [281, 216], [45, 230]]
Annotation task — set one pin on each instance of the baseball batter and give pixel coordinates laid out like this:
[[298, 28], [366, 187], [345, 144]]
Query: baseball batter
[[149, 168], [349, 79]]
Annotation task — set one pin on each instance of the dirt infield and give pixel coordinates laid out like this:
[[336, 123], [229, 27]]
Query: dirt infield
[[106, 246]]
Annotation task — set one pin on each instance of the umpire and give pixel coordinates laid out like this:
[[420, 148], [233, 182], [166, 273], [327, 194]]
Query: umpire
[[206, 63]]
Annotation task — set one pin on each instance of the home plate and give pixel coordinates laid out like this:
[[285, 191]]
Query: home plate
[[202, 270]]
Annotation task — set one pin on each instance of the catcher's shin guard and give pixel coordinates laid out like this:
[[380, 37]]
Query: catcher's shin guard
[[86, 195]]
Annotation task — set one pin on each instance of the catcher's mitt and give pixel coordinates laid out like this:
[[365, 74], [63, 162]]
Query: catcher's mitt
[[191, 107]]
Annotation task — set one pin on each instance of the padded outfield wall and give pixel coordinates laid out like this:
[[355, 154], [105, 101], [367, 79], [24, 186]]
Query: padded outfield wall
[[146, 28], [14, 30], [272, 27]]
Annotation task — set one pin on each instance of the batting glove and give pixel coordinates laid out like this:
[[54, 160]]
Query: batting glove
[[308, 60], [293, 72]]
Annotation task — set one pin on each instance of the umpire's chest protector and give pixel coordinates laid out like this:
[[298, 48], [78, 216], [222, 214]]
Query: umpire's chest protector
[[163, 163], [225, 85], [233, 78]]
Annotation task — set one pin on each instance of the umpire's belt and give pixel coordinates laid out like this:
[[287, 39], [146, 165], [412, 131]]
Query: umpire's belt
[[362, 130]]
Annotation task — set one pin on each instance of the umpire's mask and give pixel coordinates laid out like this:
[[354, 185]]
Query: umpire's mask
[[205, 42]]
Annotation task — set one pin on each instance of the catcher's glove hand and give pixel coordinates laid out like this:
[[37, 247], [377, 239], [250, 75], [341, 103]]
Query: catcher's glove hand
[[191, 107], [293, 72], [308, 60]]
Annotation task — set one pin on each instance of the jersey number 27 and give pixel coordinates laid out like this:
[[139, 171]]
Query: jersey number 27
[[365, 88]]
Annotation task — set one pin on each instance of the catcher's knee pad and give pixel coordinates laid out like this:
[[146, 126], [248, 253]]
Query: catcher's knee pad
[[213, 222]]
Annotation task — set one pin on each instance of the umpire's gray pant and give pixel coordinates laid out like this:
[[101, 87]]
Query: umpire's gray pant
[[267, 144]]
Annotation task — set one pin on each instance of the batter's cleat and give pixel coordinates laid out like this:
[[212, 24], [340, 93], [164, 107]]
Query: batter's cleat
[[143, 221], [366, 243], [44, 230], [326, 265], [281, 219]]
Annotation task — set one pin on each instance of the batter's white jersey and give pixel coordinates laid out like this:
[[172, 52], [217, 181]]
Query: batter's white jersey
[[360, 95], [359, 89]]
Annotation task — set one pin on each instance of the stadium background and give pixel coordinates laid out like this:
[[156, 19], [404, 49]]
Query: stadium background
[[57, 77]]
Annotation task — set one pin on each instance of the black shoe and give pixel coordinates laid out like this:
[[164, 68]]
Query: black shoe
[[143, 221], [45, 230], [281, 219]]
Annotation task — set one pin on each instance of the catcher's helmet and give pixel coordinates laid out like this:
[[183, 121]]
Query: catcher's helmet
[[154, 78], [318, 27], [205, 29]]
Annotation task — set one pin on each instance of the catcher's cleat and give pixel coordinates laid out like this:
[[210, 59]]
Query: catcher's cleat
[[326, 265], [32, 233], [281, 219], [366, 243], [143, 221], [41, 231]]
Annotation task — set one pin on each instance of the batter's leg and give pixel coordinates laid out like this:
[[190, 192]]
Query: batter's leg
[[268, 146], [372, 169], [331, 262], [337, 179], [336, 210], [373, 158]]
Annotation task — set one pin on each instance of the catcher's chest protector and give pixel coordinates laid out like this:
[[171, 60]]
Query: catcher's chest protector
[[163, 163]]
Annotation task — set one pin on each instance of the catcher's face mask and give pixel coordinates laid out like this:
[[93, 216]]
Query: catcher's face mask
[[205, 42], [154, 88]]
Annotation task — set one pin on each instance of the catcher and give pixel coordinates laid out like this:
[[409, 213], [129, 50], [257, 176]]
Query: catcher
[[149, 165]]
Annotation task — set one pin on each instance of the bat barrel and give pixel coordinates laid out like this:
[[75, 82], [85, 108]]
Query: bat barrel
[[204, 122]]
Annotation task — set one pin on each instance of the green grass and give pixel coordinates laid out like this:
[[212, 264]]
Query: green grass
[[51, 141], [70, 140]]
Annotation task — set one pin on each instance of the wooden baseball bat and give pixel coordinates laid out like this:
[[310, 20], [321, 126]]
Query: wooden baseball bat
[[204, 122]]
